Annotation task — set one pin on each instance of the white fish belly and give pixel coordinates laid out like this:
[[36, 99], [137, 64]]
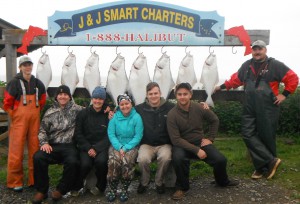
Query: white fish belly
[[116, 85]]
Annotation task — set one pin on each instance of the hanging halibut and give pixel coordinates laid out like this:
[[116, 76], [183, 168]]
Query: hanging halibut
[[186, 72], [69, 75], [138, 79], [117, 80], [210, 77], [163, 76], [44, 71], [91, 78]]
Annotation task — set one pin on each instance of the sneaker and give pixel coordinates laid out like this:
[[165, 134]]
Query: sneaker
[[160, 189], [141, 189], [56, 195], [111, 196], [39, 197], [179, 194], [95, 191], [74, 193], [257, 174], [123, 196], [18, 189], [273, 165]]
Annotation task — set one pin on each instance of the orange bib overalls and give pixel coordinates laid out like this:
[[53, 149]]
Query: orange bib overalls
[[25, 123]]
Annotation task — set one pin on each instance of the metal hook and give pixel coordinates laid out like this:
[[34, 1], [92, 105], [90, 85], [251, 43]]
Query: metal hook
[[139, 50], [69, 51], [161, 50], [42, 51], [117, 51], [233, 51], [185, 50], [210, 52], [91, 50]]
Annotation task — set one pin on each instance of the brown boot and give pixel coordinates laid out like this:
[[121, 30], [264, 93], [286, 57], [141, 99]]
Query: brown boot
[[39, 197], [56, 195], [179, 194]]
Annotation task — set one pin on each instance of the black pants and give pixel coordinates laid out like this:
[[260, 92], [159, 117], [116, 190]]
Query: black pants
[[181, 164], [101, 165], [61, 153]]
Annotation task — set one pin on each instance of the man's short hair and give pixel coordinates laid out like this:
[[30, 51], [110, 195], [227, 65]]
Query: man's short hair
[[151, 85], [184, 85]]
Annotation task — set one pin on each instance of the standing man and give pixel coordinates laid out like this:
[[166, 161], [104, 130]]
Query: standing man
[[57, 146], [24, 98], [185, 123], [92, 140], [261, 76], [156, 142]]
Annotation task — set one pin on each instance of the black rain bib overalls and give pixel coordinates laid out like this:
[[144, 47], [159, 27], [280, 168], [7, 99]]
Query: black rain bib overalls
[[260, 118]]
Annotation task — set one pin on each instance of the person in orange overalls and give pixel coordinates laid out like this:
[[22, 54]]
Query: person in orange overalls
[[24, 98]]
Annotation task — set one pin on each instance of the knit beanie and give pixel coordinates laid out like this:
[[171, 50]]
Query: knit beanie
[[99, 92], [63, 89]]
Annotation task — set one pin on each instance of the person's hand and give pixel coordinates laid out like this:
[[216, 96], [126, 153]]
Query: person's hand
[[46, 148], [122, 152], [205, 142], [279, 99], [107, 109], [111, 115], [92, 153], [217, 88], [201, 154], [204, 105]]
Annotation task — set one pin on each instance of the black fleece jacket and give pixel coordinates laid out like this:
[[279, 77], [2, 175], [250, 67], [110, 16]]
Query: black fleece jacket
[[155, 123], [91, 130]]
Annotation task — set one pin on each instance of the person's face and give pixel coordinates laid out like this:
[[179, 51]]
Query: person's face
[[154, 96], [258, 53], [125, 107], [63, 99], [26, 68], [183, 96], [97, 103]]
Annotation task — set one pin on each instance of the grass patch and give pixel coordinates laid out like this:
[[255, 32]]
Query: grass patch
[[239, 164]]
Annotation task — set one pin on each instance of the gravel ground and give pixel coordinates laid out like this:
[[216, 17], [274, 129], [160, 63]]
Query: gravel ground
[[202, 191]]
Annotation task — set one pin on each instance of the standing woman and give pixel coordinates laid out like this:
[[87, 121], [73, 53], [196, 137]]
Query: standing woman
[[24, 98], [125, 131]]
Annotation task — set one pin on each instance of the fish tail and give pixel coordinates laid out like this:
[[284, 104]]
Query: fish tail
[[209, 101]]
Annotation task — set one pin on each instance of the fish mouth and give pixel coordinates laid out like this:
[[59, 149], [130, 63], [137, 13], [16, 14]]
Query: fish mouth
[[159, 67], [115, 69], [135, 67]]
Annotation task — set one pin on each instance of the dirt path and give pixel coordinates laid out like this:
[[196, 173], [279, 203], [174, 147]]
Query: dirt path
[[202, 191]]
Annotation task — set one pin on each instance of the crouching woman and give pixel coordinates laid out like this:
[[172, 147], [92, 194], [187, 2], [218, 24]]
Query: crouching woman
[[125, 131]]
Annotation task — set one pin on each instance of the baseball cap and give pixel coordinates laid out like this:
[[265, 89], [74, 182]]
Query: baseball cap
[[25, 59], [184, 85], [259, 43]]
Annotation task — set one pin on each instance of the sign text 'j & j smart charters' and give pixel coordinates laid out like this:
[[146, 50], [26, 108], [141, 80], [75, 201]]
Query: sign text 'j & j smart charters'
[[136, 23]]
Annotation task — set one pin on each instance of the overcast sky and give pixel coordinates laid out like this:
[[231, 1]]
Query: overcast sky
[[280, 17]]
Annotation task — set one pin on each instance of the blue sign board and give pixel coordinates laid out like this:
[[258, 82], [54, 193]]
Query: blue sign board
[[136, 23]]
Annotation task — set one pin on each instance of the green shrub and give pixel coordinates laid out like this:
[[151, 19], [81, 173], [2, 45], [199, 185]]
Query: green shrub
[[229, 113], [289, 119]]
